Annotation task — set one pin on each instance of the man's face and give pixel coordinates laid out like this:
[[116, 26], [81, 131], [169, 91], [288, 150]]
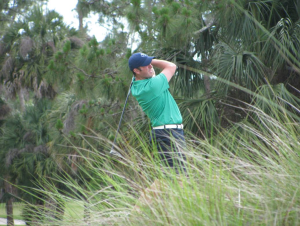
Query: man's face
[[144, 72]]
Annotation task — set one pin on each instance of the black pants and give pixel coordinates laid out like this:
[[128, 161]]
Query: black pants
[[169, 144]]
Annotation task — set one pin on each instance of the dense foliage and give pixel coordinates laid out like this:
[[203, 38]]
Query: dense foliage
[[61, 88]]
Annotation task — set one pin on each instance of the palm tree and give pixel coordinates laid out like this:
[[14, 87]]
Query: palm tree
[[11, 139], [29, 43], [252, 53], [26, 156], [248, 43], [221, 47], [26, 45], [5, 186]]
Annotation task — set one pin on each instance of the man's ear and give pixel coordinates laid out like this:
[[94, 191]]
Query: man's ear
[[136, 70]]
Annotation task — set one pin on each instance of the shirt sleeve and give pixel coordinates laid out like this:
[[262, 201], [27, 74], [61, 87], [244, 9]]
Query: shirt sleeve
[[158, 84]]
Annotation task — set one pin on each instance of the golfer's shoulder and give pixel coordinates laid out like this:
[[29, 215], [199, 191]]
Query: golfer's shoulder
[[145, 85], [160, 78]]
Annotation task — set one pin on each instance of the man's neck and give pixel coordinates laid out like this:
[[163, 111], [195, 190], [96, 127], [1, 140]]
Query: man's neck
[[138, 78]]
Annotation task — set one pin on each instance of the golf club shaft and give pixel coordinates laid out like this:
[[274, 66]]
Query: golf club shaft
[[121, 117]]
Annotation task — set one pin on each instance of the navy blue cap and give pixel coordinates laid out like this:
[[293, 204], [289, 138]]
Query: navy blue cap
[[139, 59]]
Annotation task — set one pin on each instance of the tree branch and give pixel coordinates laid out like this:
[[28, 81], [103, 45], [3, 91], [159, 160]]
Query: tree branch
[[79, 69], [209, 25]]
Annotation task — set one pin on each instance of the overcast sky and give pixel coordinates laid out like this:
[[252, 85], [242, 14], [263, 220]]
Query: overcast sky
[[66, 9]]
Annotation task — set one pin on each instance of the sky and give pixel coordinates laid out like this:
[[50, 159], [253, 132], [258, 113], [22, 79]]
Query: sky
[[66, 9]]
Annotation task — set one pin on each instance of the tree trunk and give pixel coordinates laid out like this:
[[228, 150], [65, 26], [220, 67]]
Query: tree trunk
[[207, 85], [9, 212], [21, 99], [80, 17], [206, 79], [9, 203]]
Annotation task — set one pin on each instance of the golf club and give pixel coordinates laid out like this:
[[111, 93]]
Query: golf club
[[112, 151]]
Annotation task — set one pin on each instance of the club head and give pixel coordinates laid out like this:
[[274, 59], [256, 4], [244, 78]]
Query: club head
[[115, 153]]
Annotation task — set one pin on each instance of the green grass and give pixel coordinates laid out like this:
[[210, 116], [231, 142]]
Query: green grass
[[246, 175], [73, 211], [17, 211]]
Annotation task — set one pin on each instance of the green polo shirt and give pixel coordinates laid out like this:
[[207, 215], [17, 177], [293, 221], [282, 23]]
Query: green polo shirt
[[154, 97]]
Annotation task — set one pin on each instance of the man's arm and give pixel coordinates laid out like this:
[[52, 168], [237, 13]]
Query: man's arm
[[168, 68]]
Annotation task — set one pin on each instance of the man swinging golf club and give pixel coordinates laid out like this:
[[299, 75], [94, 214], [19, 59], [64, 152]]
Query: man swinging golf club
[[152, 93]]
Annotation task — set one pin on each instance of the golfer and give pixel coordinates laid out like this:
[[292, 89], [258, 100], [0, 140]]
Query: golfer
[[153, 95]]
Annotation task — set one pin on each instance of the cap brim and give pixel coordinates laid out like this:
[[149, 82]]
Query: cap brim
[[147, 61]]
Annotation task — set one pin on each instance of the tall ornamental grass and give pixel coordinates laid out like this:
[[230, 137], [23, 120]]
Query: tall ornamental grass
[[246, 175]]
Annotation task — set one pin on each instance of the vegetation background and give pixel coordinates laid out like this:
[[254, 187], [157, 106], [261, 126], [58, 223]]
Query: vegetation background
[[237, 86]]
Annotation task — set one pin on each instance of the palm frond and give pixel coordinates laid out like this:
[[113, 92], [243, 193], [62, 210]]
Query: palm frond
[[287, 33], [235, 64], [13, 132], [277, 99], [200, 114]]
